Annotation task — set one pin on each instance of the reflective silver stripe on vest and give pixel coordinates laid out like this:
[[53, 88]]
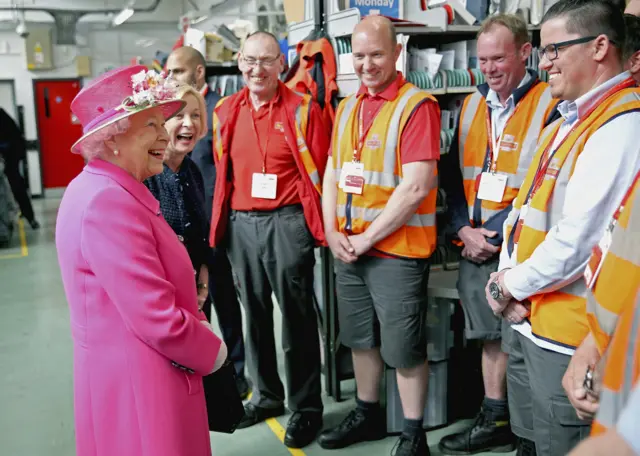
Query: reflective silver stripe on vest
[[624, 245], [466, 119], [370, 214], [302, 145], [612, 403], [607, 320], [349, 106], [393, 133], [528, 148]]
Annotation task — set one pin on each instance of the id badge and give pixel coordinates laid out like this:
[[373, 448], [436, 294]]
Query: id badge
[[264, 186], [492, 187], [350, 169], [598, 254]]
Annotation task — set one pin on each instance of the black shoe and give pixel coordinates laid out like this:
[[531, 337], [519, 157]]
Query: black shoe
[[356, 427], [302, 429], [243, 387], [411, 446], [34, 224], [254, 415], [526, 447], [486, 434]]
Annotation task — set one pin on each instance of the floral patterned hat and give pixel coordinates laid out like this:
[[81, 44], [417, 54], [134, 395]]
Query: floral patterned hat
[[120, 93]]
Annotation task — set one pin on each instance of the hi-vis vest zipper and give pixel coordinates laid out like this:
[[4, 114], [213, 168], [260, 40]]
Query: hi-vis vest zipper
[[619, 278], [559, 317], [301, 123], [518, 143], [622, 369], [382, 174]]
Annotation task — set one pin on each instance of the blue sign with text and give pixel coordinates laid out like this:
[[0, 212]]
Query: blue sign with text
[[390, 8]]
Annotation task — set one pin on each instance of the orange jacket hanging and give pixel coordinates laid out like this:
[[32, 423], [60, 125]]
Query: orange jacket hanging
[[311, 54]]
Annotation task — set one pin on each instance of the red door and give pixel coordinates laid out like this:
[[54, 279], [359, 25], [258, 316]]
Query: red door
[[57, 132]]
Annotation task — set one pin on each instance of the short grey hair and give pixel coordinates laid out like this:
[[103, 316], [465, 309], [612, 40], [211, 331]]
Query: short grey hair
[[94, 146]]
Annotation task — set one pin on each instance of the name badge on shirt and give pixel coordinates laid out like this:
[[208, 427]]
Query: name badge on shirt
[[598, 255], [264, 186], [492, 187], [350, 169]]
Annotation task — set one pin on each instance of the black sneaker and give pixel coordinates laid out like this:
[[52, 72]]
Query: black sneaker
[[486, 434], [254, 415], [411, 446], [355, 428], [302, 429]]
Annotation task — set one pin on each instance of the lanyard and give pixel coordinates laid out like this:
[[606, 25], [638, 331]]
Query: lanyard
[[358, 141], [494, 146], [547, 155], [263, 151], [626, 197]]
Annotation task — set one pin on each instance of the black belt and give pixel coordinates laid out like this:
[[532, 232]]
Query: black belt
[[290, 209]]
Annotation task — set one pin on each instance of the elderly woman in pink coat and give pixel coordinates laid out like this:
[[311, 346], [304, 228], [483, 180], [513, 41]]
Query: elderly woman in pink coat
[[141, 346]]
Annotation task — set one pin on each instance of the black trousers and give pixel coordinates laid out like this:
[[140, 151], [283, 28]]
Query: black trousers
[[225, 302], [19, 189], [273, 252]]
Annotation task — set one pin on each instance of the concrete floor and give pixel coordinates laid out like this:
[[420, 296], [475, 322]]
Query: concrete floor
[[36, 411]]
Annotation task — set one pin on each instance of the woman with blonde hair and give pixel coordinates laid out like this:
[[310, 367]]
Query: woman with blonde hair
[[180, 187], [140, 344]]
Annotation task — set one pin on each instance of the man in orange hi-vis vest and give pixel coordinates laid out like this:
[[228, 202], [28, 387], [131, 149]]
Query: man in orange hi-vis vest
[[619, 281], [603, 373], [584, 164], [379, 204]]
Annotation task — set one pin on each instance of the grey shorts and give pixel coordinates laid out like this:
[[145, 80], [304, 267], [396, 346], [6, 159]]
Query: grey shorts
[[539, 408], [480, 322], [382, 302]]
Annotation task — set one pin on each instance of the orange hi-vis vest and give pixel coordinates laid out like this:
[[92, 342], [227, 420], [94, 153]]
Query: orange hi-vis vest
[[622, 368], [517, 147], [558, 317], [382, 174], [618, 279]]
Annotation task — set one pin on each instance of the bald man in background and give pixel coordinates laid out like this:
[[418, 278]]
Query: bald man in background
[[633, 7], [188, 66], [379, 202]]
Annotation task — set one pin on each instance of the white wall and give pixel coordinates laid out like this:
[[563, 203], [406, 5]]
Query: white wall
[[107, 47]]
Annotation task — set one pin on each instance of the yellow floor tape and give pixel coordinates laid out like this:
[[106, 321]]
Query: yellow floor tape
[[24, 250]]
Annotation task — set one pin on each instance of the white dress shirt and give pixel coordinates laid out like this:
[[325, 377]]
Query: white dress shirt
[[603, 172]]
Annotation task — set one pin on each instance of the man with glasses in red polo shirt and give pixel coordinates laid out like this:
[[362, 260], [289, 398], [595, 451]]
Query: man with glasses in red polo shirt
[[270, 146]]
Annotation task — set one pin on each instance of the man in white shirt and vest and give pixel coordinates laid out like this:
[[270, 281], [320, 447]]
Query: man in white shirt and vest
[[495, 140], [584, 163]]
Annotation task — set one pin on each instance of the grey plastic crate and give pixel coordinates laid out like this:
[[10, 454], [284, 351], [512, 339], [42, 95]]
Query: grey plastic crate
[[435, 412]]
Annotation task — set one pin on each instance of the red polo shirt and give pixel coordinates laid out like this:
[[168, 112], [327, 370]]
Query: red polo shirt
[[420, 140], [247, 156]]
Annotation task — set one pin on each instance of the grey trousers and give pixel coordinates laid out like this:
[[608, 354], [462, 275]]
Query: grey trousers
[[273, 252], [539, 408]]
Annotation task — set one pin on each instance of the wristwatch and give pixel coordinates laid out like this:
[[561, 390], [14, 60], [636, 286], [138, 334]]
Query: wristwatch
[[496, 291]]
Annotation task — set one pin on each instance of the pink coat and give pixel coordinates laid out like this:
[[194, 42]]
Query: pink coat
[[132, 298]]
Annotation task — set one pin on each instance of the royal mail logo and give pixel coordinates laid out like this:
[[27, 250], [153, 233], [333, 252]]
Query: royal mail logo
[[508, 144], [374, 142], [278, 126], [553, 170]]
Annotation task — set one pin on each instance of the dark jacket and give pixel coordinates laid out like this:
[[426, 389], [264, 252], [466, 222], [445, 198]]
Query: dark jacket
[[181, 197], [202, 154], [451, 181], [13, 147]]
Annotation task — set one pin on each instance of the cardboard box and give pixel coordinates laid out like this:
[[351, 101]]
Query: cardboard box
[[215, 50]]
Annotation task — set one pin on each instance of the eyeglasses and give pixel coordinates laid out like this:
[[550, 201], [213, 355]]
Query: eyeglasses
[[266, 62], [550, 51]]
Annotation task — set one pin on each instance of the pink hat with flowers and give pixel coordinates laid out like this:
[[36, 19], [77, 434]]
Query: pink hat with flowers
[[120, 93]]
